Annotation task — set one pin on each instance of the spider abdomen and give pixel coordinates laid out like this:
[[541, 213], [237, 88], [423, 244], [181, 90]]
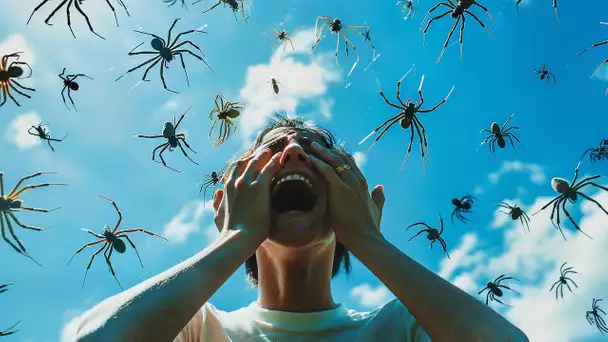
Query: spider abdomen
[[560, 185], [72, 85], [168, 130], [405, 122], [233, 4], [497, 291], [501, 142], [119, 245], [15, 71], [336, 25], [172, 142]]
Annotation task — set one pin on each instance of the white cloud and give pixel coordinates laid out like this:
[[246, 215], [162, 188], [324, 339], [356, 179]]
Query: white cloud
[[17, 43], [370, 297], [188, 221], [16, 132], [537, 175], [360, 158], [461, 256], [325, 107], [171, 105], [478, 190]]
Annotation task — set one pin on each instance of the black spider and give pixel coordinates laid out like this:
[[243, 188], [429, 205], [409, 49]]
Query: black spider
[[543, 73], [593, 317], [9, 74], [516, 213], [235, 5], [498, 135], [554, 8], [43, 134], [212, 179], [563, 280], [463, 205], [433, 234], [173, 2], [494, 289], [598, 153], [69, 83], [7, 332]]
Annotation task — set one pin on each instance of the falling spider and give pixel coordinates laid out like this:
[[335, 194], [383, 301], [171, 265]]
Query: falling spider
[[9, 74], [274, 85], [407, 5], [212, 179], [570, 192], [598, 153], [165, 52], [235, 6], [171, 3], [591, 47], [7, 332], [281, 35], [70, 84], [227, 112], [543, 73], [433, 234], [593, 317], [111, 239], [407, 118], [498, 135], [462, 205], [457, 10], [11, 203], [43, 134], [554, 8], [516, 213], [77, 4], [495, 289], [173, 140], [563, 280]]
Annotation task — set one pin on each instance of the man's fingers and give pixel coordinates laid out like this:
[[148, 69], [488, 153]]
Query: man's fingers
[[327, 155], [326, 170], [378, 196], [253, 168], [236, 171], [270, 169], [218, 206]]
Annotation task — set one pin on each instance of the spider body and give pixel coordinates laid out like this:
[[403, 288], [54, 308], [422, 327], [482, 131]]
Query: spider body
[[563, 280], [42, 133], [499, 135], [593, 317], [9, 74], [274, 85], [432, 234], [212, 179], [225, 112], [598, 153], [544, 74], [495, 289], [516, 213], [462, 206], [409, 6], [281, 35], [70, 84], [235, 6]]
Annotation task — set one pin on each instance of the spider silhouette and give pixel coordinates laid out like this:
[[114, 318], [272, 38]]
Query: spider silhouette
[[70, 84], [554, 8], [173, 140], [570, 192], [407, 5], [235, 6], [407, 118], [43, 134], [9, 74], [227, 112], [165, 52], [171, 3], [433, 234], [563, 280], [457, 10], [591, 47], [498, 135], [543, 73], [593, 317], [516, 213], [495, 289], [598, 153], [274, 85], [281, 35], [212, 179], [112, 241], [77, 4], [462, 205]]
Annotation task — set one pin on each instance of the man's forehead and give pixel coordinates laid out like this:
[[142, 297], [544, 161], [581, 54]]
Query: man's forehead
[[285, 131]]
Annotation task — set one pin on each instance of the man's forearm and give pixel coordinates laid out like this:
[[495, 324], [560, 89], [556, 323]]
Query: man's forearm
[[445, 312]]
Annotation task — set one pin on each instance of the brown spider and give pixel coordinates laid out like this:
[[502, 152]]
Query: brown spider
[[11, 203], [281, 35], [591, 47], [111, 239], [70, 84], [516, 213], [235, 5], [44, 134], [495, 290], [212, 179], [457, 10], [543, 73], [498, 135], [226, 113], [9, 73], [563, 280], [433, 234], [593, 316]]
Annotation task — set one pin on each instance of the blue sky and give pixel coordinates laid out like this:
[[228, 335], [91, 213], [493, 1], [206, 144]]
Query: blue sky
[[494, 79]]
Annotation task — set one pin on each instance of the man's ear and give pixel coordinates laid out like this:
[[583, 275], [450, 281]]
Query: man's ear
[[218, 208]]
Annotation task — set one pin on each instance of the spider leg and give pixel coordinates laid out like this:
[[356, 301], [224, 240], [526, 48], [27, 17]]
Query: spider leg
[[498, 300], [8, 331], [20, 251], [71, 100], [36, 9], [87, 245], [409, 148], [162, 78], [156, 149], [184, 151], [93, 233], [394, 120], [572, 220], [548, 204], [86, 18], [160, 154], [461, 35], [593, 46], [141, 65], [485, 9], [172, 45], [426, 144], [182, 117], [428, 25], [139, 230], [437, 105], [433, 9], [444, 246], [49, 143], [480, 23], [134, 248], [4, 92], [592, 200], [573, 283], [14, 83], [212, 7], [12, 215], [182, 137], [417, 224], [46, 21], [445, 45], [113, 11], [420, 232], [555, 10], [108, 254], [421, 142], [117, 211], [195, 55], [506, 287]]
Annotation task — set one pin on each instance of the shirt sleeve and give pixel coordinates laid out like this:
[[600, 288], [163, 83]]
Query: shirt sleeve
[[192, 330]]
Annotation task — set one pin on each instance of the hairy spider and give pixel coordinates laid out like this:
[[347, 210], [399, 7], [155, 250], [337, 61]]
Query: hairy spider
[[592, 46], [433, 234], [212, 179], [554, 8], [173, 140], [171, 3], [111, 239], [407, 118], [516, 213], [407, 5], [43, 134], [598, 153], [495, 289], [77, 4], [498, 135], [283, 36], [9, 73], [69, 84], [593, 316], [11, 203], [457, 10], [165, 52], [570, 192], [563, 280], [543, 73], [227, 112], [462, 205], [274, 85], [235, 5]]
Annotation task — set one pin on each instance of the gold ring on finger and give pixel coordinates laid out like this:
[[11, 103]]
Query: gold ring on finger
[[342, 168]]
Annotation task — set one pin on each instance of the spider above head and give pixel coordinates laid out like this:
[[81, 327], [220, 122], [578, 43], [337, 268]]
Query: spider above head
[[70, 84], [554, 8], [173, 140], [43, 134], [543, 73], [407, 118], [433, 234], [598, 153], [212, 179], [495, 289], [235, 6], [462, 205], [166, 51], [112, 241], [563, 280], [457, 10], [9, 74], [498, 135], [516, 213], [593, 316], [274, 85], [281, 35], [227, 112], [407, 5]]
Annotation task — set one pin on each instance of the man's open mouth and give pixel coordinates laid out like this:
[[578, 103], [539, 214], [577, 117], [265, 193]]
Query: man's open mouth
[[293, 192]]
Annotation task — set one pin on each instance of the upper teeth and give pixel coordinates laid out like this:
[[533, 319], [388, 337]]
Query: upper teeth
[[293, 177]]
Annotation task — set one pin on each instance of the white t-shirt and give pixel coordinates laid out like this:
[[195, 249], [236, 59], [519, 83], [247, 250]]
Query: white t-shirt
[[391, 322]]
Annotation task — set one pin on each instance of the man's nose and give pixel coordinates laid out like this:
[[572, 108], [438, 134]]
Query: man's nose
[[294, 154]]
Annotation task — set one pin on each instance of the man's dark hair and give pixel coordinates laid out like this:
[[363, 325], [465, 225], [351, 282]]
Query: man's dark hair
[[341, 254]]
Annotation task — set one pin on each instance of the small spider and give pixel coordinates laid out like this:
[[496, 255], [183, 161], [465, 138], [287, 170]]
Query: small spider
[[543, 73], [9, 74], [598, 153], [516, 213], [43, 134], [111, 239], [570, 192], [173, 140], [563, 280], [77, 4], [274, 85], [11, 203], [165, 52], [171, 3], [235, 5], [69, 84], [433, 234], [591, 47], [462, 205], [457, 10], [498, 135], [494, 289], [407, 5], [212, 179], [593, 317], [226, 113], [407, 118], [554, 8], [281, 35]]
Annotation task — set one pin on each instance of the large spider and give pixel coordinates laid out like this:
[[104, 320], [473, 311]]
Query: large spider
[[11, 203], [226, 113], [433, 234], [592, 46], [498, 135], [165, 52], [173, 140], [9, 73], [212, 179], [7, 332], [543, 73], [407, 5], [554, 8], [69, 84], [283, 36], [43, 134], [235, 5], [563, 280], [570, 192], [77, 4], [462, 205], [495, 289], [407, 118], [598, 153], [593, 316], [516, 213], [457, 10]]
